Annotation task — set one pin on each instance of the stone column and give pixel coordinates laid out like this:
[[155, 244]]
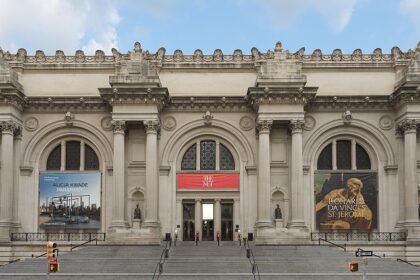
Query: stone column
[[17, 156], [410, 173], [152, 179], [264, 186], [8, 129], [179, 219], [118, 208], [198, 217], [217, 217], [236, 219], [297, 215], [82, 156]]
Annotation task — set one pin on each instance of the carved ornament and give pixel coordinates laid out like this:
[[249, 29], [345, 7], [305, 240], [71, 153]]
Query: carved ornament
[[407, 126], [296, 126], [208, 117], [246, 123], [386, 122], [106, 123], [264, 126], [118, 126], [9, 127], [31, 124], [152, 126], [169, 123]]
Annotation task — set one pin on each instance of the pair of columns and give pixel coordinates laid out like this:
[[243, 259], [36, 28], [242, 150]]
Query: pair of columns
[[119, 218], [264, 174], [411, 213], [11, 138]]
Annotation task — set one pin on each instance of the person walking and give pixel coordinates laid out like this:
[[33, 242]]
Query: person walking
[[197, 237], [218, 238]]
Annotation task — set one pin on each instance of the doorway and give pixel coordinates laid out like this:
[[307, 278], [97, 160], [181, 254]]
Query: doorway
[[188, 221], [227, 222], [207, 228]]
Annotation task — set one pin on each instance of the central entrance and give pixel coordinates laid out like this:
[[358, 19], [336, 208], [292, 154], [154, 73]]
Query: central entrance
[[207, 227]]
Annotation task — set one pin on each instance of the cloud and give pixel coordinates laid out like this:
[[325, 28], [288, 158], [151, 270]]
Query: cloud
[[59, 24], [412, 9], [285, 14]]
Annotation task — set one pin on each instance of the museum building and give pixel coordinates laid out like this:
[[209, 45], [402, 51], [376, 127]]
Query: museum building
[[272, 146]]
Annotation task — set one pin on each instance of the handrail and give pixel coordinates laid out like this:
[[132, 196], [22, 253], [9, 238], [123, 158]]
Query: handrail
[[253, 263], [332, 243], [404, 261], [84, 243], [159, 265], [36, 257]]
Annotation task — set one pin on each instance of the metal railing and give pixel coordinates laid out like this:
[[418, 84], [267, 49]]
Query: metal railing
[[251, 258], [332, 243], [359, 236], [404, 261], [56, 236], [159, 266], [83, 244]]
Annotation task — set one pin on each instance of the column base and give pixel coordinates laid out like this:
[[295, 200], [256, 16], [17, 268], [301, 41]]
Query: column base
[[5, 230], [413, 230], [275, 236], [297, 224], [138, 236], [119, 224], [151, 224]]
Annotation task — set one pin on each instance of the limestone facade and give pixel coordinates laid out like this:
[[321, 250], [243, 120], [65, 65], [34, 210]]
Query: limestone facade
[[275, 112]]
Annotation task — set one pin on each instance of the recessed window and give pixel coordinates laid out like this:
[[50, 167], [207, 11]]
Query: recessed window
[[73, 160], [212, 155], [349, 155]]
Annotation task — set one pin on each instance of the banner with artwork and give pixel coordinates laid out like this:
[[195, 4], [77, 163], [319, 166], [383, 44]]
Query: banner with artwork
[[346, 201], [70, 200]]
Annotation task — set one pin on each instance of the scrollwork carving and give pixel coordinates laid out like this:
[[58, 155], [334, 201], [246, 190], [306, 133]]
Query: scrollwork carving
[[152, 126], [118, 126], [316, 55], [407, 126], [198, 55], [218, 55], [8, 127], [99, 56], [237, 55], [59, 56], [178, 56], [264, 126], [296, 126]]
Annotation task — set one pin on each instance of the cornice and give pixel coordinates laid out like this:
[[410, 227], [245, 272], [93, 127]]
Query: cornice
[[56, 104], [135, 95], [353, 103], [12, 97], [208, 103], [409, 93], [280, 95], [178, 60]]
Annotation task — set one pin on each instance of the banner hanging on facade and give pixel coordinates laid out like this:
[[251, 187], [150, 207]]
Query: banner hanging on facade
[[346, 201], [208, 181], [70, 200]]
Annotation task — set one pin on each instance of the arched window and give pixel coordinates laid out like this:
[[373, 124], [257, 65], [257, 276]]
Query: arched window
[[73, 157], [343, 155], [212, 155]]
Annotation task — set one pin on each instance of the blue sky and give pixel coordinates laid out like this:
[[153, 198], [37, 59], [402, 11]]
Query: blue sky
[[208, 24]]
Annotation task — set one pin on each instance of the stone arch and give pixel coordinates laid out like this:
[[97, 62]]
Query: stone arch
[[218, 128], [43, 140], [373, 140]]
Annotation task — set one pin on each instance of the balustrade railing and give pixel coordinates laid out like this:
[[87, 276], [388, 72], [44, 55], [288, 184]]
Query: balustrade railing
[[359, 236], [56, 236]]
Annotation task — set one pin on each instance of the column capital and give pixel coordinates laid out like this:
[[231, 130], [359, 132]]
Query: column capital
[[118, 126], [152, 126], [296, 126], [407, 126], [264, 126], [198, 200], [9, 127]]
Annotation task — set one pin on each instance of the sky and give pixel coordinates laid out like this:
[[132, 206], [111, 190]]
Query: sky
[[69, 25]]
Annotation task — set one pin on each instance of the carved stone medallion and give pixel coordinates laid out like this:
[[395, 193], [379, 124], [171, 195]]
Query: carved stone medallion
[[169, 123], [309, 123], [31, 124], [106, 123], [386, 122], [246, 123]]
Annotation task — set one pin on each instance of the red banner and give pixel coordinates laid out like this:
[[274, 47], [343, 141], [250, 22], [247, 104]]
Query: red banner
[[208, 181]]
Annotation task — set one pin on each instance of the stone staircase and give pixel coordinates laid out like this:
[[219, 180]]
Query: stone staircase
[[209, 261]]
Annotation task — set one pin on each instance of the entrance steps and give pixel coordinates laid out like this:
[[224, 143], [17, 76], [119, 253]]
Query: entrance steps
[[209, 261]]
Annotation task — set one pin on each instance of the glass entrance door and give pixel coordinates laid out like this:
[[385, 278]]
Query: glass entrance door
[[227, 222], [207, 228], [188, 221]]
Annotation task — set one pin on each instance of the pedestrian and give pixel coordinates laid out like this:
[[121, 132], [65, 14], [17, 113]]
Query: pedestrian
[[176, 237], [197, 237], [218, 238]]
